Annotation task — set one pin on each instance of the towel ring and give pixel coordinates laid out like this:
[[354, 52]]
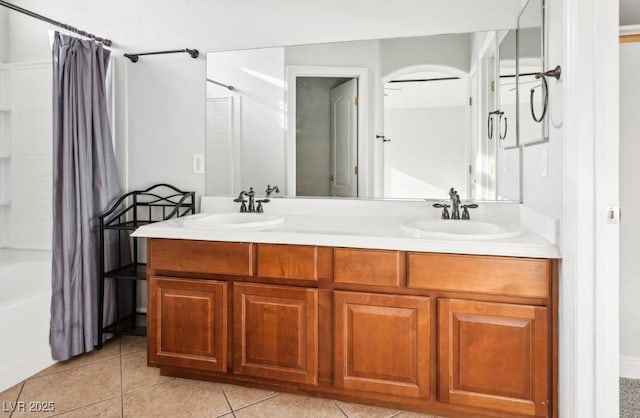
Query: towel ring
[[555, 73]]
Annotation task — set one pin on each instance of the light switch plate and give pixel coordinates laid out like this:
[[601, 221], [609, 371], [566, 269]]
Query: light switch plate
[[198, 163]]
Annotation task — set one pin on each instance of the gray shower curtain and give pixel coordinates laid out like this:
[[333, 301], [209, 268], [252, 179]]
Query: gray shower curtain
[[85, 184]]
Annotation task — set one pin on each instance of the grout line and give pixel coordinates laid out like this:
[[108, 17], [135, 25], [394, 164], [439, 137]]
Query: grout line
[[228, 403], [37, 376], [338, 406], [257, 402], [19, 394], [168, 379], [121, 383], [83, 406]]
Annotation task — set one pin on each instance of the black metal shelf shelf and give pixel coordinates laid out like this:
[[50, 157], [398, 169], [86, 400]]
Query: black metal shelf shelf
[[133, 271], [129, 325], [132, 210]]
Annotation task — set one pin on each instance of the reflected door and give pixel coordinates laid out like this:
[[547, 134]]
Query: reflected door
[[344, 140]]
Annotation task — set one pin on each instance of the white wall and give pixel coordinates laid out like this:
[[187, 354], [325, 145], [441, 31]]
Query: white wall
[[31, 157], [446, 50], [427, 153], [630, 202], [4, 35]]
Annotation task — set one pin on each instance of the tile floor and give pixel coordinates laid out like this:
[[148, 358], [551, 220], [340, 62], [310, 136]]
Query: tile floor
[[116, 382]]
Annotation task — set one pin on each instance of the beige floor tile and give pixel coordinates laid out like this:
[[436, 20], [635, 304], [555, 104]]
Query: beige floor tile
[[78, 386], [176, 398], [7, 397], [136, 374], [356, 410], [111, 408], [240, 396], [132, 344], [292, 406], [110, 349]]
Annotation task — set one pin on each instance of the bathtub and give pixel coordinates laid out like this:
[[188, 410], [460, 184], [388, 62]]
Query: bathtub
[[25, 300]]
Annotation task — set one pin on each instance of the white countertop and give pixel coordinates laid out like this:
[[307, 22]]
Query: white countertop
[[368, 224]]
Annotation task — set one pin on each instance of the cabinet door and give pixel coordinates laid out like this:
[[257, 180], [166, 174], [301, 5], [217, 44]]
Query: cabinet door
[[188, 323], [276, 332], [382, 343], [494, 355]]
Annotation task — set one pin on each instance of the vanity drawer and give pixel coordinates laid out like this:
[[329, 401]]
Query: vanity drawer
[[504, 276], [370, 267], [232, 258], [299, 262]]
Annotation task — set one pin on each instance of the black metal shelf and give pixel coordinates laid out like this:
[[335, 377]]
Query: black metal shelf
[[132, 210], [129, 325], [129, 225], [133, 271]]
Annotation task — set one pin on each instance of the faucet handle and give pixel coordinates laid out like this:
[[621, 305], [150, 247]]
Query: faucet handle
[[465, 210], [260, 209], [240, 199], [445, 209]]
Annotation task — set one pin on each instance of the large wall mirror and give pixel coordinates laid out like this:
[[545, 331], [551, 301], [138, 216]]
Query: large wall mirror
[[404, 118]]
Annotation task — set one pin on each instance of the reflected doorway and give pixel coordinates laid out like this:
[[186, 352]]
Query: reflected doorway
[[326, 136]]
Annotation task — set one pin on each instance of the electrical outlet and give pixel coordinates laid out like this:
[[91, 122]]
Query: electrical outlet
[[544, 163], [198, 163]]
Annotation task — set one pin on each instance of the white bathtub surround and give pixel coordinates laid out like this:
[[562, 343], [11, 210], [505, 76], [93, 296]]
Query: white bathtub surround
[[370, 224], [25, 298]]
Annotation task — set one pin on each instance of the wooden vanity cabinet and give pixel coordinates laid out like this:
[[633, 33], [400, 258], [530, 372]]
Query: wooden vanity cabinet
[[494, 356], [276, 332], [451, 335], [383, 343], [187, 323]]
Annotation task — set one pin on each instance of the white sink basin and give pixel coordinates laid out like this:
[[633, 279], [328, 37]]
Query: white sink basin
[[225, 221], [459, 229]]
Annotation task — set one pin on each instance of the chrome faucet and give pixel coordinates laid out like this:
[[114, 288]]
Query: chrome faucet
[[455, 205], [252, 203], [270, 190], [251, 207]]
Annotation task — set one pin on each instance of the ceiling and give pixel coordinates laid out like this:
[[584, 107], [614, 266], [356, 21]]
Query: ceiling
[[629, 12]]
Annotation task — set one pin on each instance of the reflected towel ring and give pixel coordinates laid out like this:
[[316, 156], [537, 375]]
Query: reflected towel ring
[[506, 126], [555, 73], [490, 122]]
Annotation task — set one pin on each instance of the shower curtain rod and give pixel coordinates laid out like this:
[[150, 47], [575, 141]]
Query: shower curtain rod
[[106, 42], [220, 84]]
